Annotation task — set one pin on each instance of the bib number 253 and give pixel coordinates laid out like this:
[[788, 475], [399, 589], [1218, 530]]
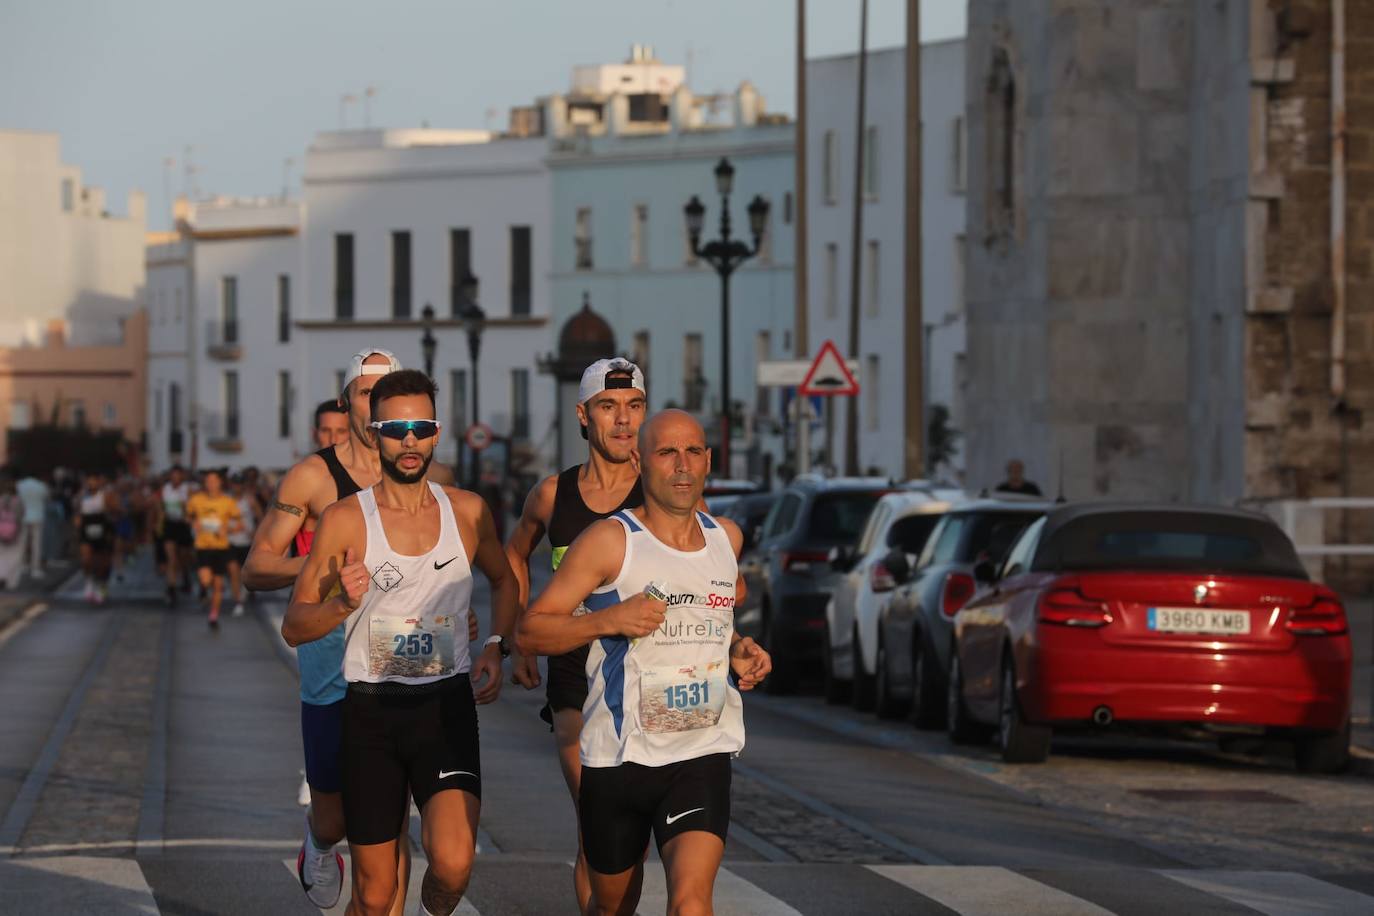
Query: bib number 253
[[413, 645]]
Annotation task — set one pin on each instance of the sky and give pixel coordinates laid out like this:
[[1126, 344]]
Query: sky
[[130, 84]]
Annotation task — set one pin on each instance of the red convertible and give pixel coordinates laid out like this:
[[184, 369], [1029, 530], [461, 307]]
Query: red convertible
[[1153, 615]]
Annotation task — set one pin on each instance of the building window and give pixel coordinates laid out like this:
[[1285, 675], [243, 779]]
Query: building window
[[343, 275], [157, 409], [177, 313], [1001, 104], [174, 406], [78, 408], [231, 405], [958, 166], [787, 209], [68, 195], [960, 259], [763, 351], [459, 266], [108, 414], [400, 274], [582, 238], [520, 270], [832, 280], [283, 308], [21, 414], [520, 404], [830, 167], [693, 382], [640, 354], [871, 162], [458, 400], [872, 279], [284, 405], [639, 236], [765, 254], [229, 309], [870, 388]]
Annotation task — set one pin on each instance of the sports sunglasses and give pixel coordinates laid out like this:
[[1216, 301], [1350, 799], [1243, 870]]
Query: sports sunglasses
[[397, 429]]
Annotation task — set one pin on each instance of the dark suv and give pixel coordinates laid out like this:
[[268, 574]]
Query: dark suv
[[813, 516]]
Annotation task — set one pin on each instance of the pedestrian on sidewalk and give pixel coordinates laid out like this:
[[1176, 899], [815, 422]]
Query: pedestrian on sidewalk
[[34, 494], [11, 525]]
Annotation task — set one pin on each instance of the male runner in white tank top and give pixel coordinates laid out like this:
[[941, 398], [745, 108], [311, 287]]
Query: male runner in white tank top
[[663, 714], [402, 553]]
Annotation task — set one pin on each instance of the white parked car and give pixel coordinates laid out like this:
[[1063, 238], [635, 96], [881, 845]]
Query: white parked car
[[900, 522]]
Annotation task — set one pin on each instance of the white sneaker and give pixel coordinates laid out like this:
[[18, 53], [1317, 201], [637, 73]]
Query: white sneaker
[[238, 609], [320, 872], [303, 793], [89, 594]]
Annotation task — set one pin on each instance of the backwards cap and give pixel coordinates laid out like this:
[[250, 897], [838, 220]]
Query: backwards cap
[[594, 378], [356, 367]]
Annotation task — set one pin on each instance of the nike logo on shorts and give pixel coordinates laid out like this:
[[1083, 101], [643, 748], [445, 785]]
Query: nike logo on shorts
[[438, 565], [674, 818], [443, 775]]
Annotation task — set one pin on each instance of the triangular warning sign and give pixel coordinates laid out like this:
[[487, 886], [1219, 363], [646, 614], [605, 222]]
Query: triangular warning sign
[[828, 374]]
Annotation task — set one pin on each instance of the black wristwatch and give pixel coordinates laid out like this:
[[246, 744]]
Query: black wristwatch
[[500, 642]]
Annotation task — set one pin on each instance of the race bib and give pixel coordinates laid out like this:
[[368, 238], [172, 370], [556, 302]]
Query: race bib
[[210, 525], [679, 699], [95, 531], [411, 646], [174, 511]]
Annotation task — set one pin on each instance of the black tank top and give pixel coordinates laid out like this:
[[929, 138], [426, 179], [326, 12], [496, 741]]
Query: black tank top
[[342, 482], [571, 516]]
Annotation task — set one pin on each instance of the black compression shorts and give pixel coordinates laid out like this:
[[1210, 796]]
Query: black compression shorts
[[618, 807], [215, 560], [178, 532], [567, 683], [424, 737]]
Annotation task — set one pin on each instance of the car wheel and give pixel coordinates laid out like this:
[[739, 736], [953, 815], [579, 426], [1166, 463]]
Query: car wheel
[[832, 688], [864, 693], [960, 728], [1323, 752], [888, 705], [782, 679], [927, 693], [1020, 741]]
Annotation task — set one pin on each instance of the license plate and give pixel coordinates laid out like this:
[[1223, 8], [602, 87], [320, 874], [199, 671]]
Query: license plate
[[1199, 620]]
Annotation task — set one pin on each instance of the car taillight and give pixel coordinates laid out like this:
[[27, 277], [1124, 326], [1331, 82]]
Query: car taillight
[[1324, 617], [803, 560], [958, 589], [1067, 607], [880, 579]]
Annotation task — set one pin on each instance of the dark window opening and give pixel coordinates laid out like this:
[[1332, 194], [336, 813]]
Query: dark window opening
[[343, 275], [519, 270], [400, 274]]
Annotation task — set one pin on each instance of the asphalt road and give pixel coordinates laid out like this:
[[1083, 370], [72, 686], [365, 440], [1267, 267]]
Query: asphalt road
[[148, 765]]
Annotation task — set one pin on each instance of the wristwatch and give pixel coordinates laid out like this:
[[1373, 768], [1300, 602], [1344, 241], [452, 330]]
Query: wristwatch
[[500, 642]]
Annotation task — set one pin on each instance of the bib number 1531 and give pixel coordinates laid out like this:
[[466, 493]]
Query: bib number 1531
[[687, 696]]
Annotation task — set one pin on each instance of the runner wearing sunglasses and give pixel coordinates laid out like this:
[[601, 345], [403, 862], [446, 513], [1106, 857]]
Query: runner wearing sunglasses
[[393, 564], [277, 556]]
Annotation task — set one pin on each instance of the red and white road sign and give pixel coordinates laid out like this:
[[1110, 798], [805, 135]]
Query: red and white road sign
[[829, 375], [478, 436]]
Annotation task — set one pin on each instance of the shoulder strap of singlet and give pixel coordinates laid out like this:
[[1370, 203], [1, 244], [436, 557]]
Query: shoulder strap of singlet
[[706, 521], [343, 483], [628, 520]]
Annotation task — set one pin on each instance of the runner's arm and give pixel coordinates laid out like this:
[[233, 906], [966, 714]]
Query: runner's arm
[[528, 530], [491, 559], [268, 566], [310, 615], [442, 474], [736, 536]]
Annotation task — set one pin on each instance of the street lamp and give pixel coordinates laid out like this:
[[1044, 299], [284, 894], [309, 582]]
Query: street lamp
[[725, 254], [428, 343], [474, 323]]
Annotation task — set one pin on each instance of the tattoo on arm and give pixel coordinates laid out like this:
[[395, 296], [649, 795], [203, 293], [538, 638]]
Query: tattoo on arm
[[288, 509]]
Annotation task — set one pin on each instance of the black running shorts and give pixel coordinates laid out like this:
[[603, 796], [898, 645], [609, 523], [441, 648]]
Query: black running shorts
[[396, 735], [179, 533], [618, 807], [567, 682], [217, 561]]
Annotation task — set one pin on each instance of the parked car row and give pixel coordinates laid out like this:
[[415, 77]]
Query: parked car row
[[1012, 617]]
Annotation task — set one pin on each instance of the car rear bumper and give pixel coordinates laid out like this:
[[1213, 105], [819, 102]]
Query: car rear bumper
[[1073, 674]]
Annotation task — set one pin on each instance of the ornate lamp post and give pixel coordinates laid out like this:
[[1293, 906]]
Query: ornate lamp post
[[725, 254], [474, 323], [428, 343]]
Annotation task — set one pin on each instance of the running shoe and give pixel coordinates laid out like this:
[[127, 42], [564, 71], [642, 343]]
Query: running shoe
[[89, 594], [214, 624], [238, 609], [303, 793], [320, 872]]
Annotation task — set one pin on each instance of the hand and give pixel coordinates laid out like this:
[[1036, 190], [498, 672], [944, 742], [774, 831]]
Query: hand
[[472, 627], [353, 580], [638, 615], [486, 675], [524, 670], [750, 663]]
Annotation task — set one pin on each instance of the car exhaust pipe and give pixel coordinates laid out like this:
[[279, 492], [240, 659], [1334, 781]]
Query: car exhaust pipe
[[1102, 716]]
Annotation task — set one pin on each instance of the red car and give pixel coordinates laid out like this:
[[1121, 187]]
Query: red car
[[1153, 615]]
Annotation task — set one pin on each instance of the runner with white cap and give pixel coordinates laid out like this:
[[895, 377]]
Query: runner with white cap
[[278, 554]]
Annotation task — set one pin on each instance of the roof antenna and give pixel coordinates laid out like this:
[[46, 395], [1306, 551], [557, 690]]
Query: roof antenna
[[1060, 498]]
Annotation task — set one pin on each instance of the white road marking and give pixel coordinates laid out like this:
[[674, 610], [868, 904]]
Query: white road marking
[[75, 884], [48, 849], [30, 613], [987, 891], [418, 864], [734, 896], [1277, 893]]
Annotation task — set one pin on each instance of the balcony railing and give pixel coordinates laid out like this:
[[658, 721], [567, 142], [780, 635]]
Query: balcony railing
[[222, 431], [222, 339]]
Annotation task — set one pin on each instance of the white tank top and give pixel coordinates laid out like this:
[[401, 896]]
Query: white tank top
[[668, 696], [174, 501], [93, 503], [412, 627]]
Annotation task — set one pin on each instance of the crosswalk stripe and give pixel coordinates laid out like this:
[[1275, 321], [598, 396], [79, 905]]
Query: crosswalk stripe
[[1277, 893], [734, 896], [973, 890], [76, 884], [418, 864]]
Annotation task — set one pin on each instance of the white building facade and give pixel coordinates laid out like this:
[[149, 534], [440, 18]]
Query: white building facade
[[832, 92], [63, 256]]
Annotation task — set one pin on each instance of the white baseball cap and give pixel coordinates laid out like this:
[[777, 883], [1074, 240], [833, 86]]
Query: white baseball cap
[[356, 367], [594, 378]]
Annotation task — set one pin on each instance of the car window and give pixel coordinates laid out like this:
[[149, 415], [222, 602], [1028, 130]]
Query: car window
[[877, 521], [1018, 560], [911, 533], [991, 534], [944, 545], [783, 516], [839, 518]]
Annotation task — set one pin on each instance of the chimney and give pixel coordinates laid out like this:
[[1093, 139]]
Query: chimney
[[56, 337]]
